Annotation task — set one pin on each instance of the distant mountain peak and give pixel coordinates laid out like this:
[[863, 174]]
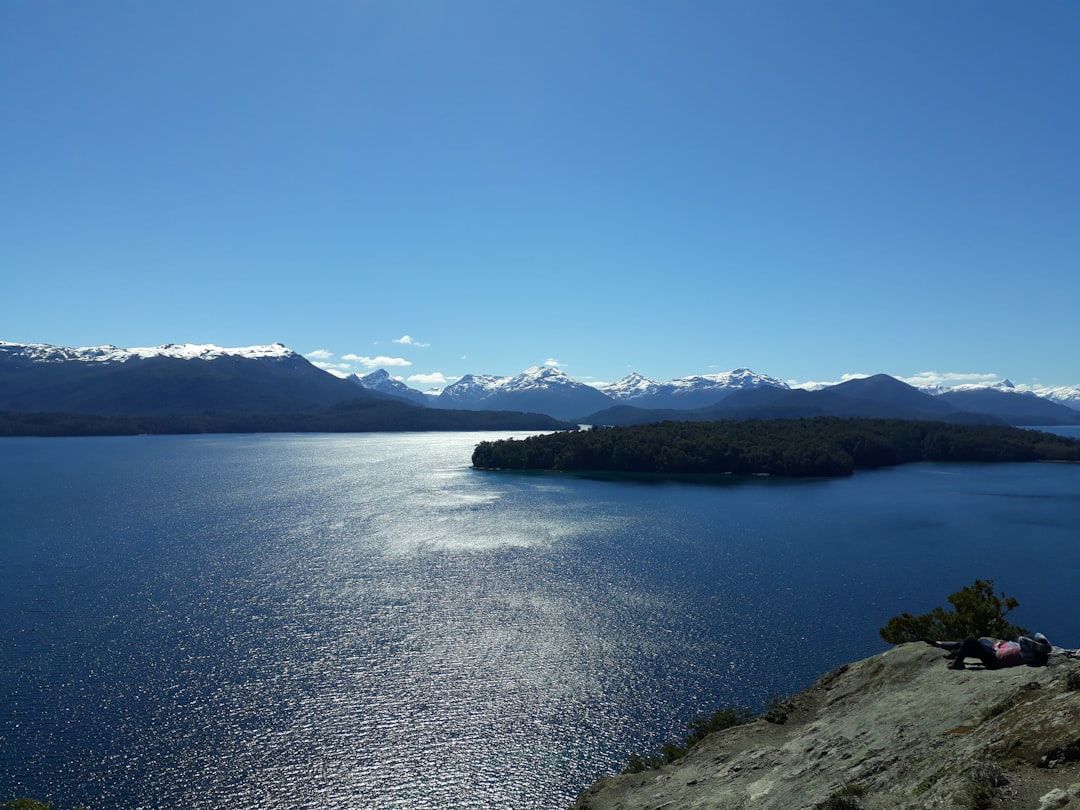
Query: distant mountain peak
[[539, 388], [632, 386], [108, 353], [377, 375], [382, 381], [544, 376]]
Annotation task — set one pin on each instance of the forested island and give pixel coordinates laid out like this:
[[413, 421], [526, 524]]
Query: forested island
[[817, 446]]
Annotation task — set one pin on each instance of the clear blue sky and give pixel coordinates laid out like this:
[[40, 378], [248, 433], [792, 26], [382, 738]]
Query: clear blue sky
[[805, 188]]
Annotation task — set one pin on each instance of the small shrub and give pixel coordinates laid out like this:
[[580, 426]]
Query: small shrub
[[987, 779], [840, 801], [701, 727], [988, 774], [977, 611], [981, 797], [778, 710]]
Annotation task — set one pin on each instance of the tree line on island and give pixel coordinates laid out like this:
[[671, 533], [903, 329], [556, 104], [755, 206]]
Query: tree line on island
[[817, 446]]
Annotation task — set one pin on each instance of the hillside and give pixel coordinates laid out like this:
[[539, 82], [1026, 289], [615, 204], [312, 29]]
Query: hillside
[[876, 397], [201, 388], [185, 378], [353, 416], [897, 730]]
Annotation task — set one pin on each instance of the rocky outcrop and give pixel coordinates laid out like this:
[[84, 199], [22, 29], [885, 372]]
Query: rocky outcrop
[[898, 730]]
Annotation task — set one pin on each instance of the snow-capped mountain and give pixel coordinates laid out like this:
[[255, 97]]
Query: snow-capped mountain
[[632, 387], [549, 390], [44, 353], [381, 381], [184, 378], [174, 378], [1068, 396], [684, 393], [1005, 385], [470, 391], [1015, 406], [1063, 395], [999, 385], [538, 389]]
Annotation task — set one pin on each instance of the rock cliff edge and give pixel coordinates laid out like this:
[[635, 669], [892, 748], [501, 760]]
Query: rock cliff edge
[[897, 730]]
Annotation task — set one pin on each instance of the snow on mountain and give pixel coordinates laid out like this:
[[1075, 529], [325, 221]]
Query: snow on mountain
[[525, 390], [539, 377], [381, 381], [634, 389], [471, 389], [738, 379], [538, 389], [45, 353], [173, 378], [632, 386], [1063, 395], [696, 391], [637, 387], [1001, 385]]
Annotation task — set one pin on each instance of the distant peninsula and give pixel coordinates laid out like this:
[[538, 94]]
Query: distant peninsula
[[353, 416], [811, 447]]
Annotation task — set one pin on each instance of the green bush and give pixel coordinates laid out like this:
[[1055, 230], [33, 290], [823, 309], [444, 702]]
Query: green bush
[[778, 710], [977, 611]]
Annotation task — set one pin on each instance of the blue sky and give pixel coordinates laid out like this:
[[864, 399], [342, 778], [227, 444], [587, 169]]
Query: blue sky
[[809, 189]]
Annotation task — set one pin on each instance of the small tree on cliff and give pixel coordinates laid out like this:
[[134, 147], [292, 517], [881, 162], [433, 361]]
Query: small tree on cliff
[[977, 611]]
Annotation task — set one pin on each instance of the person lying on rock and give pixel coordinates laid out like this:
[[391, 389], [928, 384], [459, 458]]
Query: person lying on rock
[[995, 653]]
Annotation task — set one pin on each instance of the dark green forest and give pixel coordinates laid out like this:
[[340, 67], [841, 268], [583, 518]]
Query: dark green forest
[[818, 446], [347, 417]]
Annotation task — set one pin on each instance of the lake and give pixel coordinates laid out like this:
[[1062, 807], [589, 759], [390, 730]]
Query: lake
[[363, 621]]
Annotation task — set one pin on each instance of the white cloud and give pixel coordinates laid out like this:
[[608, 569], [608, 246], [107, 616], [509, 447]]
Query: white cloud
[[374, 362], [814, 385], [435, 378], [551, 362], [319, 354], [947, 379], [408, 341], [337, 369]]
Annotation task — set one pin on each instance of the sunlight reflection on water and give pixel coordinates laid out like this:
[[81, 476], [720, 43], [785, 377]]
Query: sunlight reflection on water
[[364, 621]]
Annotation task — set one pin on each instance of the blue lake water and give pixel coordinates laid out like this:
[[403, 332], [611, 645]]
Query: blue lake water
[[364, 621]]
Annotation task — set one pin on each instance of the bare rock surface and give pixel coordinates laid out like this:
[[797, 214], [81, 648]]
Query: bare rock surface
[[897, 730]]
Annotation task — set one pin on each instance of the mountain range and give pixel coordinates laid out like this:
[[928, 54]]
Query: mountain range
[[198, 378]]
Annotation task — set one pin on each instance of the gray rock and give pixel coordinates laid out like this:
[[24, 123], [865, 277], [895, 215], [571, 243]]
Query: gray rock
[[897, 730]]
